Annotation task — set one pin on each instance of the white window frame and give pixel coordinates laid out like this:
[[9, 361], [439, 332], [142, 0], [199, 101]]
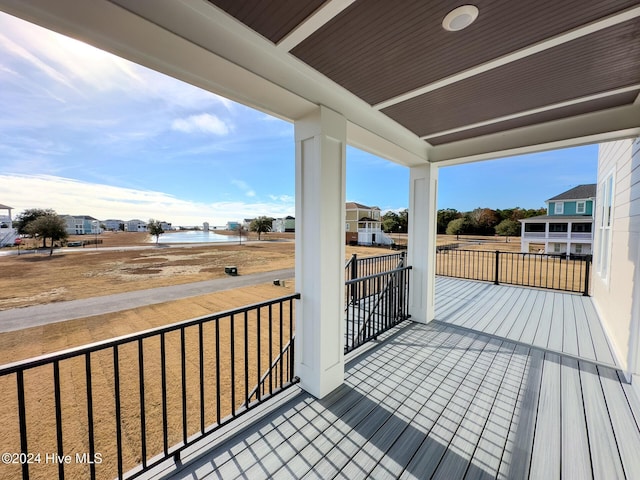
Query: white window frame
[[581, 208], [559, 208], [605, 225]]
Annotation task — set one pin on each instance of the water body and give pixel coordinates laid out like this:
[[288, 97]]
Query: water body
[[197, 237]]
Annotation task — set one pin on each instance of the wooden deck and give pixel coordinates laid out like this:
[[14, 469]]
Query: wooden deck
[[450, 402]]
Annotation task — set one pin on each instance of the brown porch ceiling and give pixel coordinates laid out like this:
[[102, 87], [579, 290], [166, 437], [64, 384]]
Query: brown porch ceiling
[[526, 76], [379, 50]]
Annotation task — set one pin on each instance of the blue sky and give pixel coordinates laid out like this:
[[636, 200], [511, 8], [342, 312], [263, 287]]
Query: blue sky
[[87, 133]]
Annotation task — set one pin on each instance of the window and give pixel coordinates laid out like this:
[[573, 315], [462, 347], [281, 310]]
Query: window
[[534, 227], [581, 227], [578, 248], [581, 208], [558, 227], [347, 227], [559, 208], [604, 225], [556, 248]]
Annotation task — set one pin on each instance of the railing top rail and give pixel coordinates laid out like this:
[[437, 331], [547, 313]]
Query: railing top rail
[[529, 254], [376, 275], [48, 358]]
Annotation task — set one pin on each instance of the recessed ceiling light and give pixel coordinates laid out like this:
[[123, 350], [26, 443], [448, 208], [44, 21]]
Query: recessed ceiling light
[[460, 18]]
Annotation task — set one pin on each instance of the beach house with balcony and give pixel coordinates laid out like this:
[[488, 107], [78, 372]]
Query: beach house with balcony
[[567, 228], [363, 225], [485, 381], [8, 234], [81, 224]]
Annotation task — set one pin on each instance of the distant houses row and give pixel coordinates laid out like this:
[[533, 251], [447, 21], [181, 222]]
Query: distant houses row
[[86, 224]]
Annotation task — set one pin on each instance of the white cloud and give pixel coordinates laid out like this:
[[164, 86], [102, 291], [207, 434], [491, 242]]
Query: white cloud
[[203, 123], [67, 196], [244, 186]]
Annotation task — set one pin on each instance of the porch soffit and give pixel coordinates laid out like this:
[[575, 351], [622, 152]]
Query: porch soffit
[[525, 76], [531, 63]]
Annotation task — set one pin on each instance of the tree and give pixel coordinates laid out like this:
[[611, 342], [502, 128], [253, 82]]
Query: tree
[[483, 220], [458, 226], [445, 215], [50, 226], [261, 225], [155, 229], [508, 228], [391, 222], [22, 220]]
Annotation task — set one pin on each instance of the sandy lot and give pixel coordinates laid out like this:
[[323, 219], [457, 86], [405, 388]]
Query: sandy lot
[[35, 279]]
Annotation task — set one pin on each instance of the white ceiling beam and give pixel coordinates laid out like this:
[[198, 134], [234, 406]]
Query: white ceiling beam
[[612, 124], [588, 29], [318, 19], [534, 111]]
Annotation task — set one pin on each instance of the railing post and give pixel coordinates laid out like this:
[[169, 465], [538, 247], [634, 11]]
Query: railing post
[[497, 273], [354, 275], [587, 262]]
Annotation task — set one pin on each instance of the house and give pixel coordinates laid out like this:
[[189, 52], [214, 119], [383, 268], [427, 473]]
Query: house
[[285, 224], [567, 228], [233, 226], [616, 253], [363, 225], [113, 225], [166, 226], [135, 226], [8, 234], [520, 78], [81, 224]]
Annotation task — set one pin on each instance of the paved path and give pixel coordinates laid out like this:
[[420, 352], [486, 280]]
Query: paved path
[[19, 318]]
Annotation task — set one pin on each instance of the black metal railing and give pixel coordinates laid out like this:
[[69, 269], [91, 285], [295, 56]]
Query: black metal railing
[[119, 407], [375, 304], [556, 272], [362, 267]]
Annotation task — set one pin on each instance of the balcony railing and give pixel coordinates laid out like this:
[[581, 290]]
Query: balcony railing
[[556, 272], [362, 267], [119, 407], [376, 301]]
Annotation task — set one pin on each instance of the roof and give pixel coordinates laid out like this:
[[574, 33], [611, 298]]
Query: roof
[[524, 77], [577, 193], [5, 207], [354, 205], [558, 218]]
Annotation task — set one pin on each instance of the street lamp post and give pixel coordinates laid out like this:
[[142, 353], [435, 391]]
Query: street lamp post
[[95, 229]]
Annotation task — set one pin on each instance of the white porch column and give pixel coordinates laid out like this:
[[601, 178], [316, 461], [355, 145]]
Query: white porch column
[[423, 194], [320, 249]]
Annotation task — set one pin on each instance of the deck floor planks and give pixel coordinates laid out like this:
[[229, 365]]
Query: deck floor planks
[[392, 464], [541, 338], [576, 459], [600, 343], [513, 322], [605, 457], [344, 447], [467, 308], [532, 321], [556, 331], [429, 388], [405, 415], [545, 457], [490, 447], [622, 420], [570, 334], [456, 460], [530, 318], [426, 459], [585, 342]]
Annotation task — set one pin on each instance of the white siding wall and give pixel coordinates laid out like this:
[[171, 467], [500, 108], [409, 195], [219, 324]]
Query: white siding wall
[[617, 295]]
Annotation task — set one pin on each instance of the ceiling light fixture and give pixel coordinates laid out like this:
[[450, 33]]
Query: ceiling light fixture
[[460, 18]]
